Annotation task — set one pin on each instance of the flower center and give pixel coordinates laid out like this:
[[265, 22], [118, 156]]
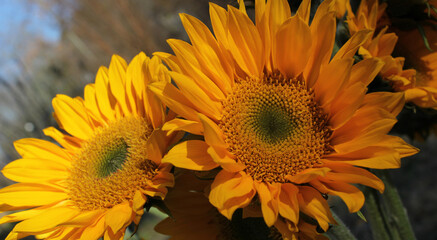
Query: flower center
[[111, 165], [274, 127]]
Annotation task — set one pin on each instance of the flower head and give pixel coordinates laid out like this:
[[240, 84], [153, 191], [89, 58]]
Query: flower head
[[418, 82], [282, 120], [109, 163]]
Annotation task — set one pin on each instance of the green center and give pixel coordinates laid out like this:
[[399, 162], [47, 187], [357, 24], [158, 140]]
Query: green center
[[113, 158], [272, 124]]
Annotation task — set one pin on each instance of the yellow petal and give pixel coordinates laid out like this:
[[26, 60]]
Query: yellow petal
[[105, 99], [91, 102], [397, 143], [37, 148], [73, 116], [119, 217], [174, 99], [35, 170], [179, 124], [192, 155], [65, 140], [94, 231], [212, 132], [156, 145], [47, 220], [117, 82], [25, 195], [196, 96]]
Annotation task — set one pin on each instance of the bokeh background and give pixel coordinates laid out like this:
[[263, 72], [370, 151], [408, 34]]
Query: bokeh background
[[51, 47]]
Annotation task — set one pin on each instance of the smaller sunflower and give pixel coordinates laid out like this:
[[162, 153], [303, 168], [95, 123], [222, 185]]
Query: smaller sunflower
[[418, 83], [108, 166], [423, 60]]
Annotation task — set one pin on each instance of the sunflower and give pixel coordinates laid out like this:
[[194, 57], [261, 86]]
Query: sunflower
[[282, 120], [193, 217], [109, 163], [417, 82], [424, 61]]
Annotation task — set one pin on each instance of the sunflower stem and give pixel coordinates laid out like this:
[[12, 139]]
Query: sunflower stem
[[340, 231], [398, 213], [374, 216]]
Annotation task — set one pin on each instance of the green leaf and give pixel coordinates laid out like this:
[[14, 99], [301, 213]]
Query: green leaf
[[360, 214]]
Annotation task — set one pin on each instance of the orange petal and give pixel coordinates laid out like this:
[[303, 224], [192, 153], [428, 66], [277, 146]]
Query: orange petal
[[307, 175], [245, 43], [392, 102], [346, 104], [333, 77], [351, 46], [366, 70], [323, 33], [293, 39], [288, 204], [313, 204], [269, 198], [351, 195], [367, 126], [347, 173], [371, 157]]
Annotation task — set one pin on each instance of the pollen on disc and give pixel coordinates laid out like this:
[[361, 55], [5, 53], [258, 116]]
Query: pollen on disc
[[274, 126], [112, 165]]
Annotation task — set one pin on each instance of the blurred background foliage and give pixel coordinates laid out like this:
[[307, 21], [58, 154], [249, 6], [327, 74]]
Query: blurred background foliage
[[56, 46]]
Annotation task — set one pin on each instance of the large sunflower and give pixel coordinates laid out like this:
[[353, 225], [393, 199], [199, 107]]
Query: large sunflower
[[283, 120], [109, 164]]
